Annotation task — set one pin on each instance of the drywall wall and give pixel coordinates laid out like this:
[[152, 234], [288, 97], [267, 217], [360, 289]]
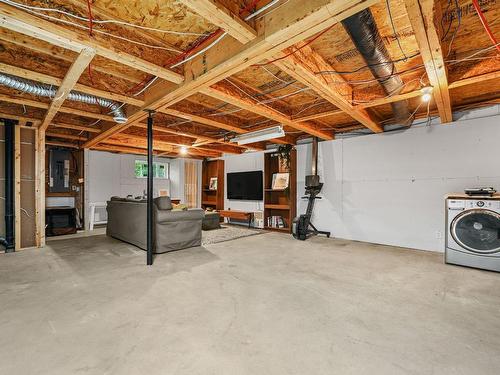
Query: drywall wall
[[389, 188], [252, 161], [108, 174]]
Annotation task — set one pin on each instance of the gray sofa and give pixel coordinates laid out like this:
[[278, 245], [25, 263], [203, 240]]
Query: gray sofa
[[172, 230]]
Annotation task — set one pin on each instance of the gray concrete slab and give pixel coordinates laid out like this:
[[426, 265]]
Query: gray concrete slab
[[266, 304]]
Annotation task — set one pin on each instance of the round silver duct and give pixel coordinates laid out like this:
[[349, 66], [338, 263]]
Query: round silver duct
[[49, 91]]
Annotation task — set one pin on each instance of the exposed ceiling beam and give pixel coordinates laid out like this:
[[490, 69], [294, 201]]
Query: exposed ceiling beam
[[422, 15], [318, 115], [476, 79], [141, 142], [75, 127], [44, 78], [42, 105], [229, 95], [62, 54], [301, 62], [25, 23], [227, 19], [61, 144], [292, 22], [65, 136], [67, 84], [199, 138], [34, 121]]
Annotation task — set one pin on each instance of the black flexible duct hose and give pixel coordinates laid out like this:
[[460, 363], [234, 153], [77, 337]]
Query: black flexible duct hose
[[363, 31]]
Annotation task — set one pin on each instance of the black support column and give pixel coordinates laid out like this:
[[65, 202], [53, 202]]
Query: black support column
[[8, 242], [150, 191]]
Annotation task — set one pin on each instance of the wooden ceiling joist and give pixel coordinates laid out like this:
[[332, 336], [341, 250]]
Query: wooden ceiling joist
[[228, 95], [65, 136], [42, 105], [74, 127], [292, 22], [41, 47], [61, 144], [301, 62], [25, 23], [44, 78], [422, 15], [141, 142], [227, 19], [68, 83], [23, 119]]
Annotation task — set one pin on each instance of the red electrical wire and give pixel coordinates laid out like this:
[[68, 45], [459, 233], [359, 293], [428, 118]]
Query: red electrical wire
[[89, 6], [250, 5], [297, 49], [485, 23]]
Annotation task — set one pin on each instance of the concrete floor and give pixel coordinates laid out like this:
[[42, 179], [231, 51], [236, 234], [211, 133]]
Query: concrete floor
[[258, 305]]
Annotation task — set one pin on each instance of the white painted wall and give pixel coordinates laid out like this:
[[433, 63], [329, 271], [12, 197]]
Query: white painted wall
[[108, 174], [253, 161], [389, 188]]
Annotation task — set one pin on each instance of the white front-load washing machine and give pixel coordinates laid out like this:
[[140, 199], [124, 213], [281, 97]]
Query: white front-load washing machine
[[473, 232]]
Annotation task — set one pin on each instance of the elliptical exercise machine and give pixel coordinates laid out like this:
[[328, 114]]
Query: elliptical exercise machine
[[302, 228]]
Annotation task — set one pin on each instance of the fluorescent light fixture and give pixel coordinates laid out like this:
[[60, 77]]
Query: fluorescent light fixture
[[426, 93], [259, 135]]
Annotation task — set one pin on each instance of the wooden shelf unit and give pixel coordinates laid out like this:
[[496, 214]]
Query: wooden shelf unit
[[212, 198], [280, 202]]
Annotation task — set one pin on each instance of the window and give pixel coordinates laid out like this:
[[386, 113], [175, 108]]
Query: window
[[160, 170]]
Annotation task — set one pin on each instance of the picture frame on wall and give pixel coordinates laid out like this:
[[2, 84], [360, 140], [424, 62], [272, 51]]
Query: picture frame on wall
[[280, 181], [213, 183]]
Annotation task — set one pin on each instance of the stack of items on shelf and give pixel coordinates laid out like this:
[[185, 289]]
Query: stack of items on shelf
[[275, 222]]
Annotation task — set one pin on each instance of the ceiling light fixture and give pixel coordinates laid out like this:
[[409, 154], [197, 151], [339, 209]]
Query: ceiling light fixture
[[183, 150], [426, 93], [259, 135]]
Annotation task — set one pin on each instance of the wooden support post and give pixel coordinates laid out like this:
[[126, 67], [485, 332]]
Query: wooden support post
[[40, 187], [17, 187]]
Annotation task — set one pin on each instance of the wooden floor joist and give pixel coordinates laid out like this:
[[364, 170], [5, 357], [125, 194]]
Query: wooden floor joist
[[422, 14], [301, 63], [291, 23]]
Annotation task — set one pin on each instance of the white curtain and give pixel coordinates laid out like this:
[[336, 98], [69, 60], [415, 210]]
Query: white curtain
[[191, 183]]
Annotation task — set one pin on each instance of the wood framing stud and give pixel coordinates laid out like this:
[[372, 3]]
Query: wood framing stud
[[17, 187], [422, 14]]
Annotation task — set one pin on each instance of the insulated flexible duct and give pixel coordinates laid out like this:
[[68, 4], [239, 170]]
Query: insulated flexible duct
[[363, 31], [41, 89]]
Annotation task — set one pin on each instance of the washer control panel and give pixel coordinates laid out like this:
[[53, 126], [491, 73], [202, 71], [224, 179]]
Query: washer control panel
[[467, 204]]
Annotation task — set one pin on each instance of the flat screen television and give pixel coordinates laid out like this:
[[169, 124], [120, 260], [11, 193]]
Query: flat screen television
[[245, 186]]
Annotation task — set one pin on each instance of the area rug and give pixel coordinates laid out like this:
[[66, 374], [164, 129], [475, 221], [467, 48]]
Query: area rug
[[226, 233]]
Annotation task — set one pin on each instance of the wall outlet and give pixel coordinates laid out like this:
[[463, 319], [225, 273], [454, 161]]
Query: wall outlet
[[439, 234]]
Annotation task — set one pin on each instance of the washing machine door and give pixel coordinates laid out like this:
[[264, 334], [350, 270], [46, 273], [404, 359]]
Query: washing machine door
[[477, 231]]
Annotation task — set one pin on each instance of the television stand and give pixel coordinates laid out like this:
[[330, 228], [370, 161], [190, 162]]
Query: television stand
[[238, 215]]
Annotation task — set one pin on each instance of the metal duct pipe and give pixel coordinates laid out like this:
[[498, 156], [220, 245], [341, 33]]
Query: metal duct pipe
[[314, 168], [363, 31], [49, 91], [8, 241]]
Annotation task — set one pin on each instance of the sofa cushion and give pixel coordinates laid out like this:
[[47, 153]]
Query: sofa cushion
[[163, 203]]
